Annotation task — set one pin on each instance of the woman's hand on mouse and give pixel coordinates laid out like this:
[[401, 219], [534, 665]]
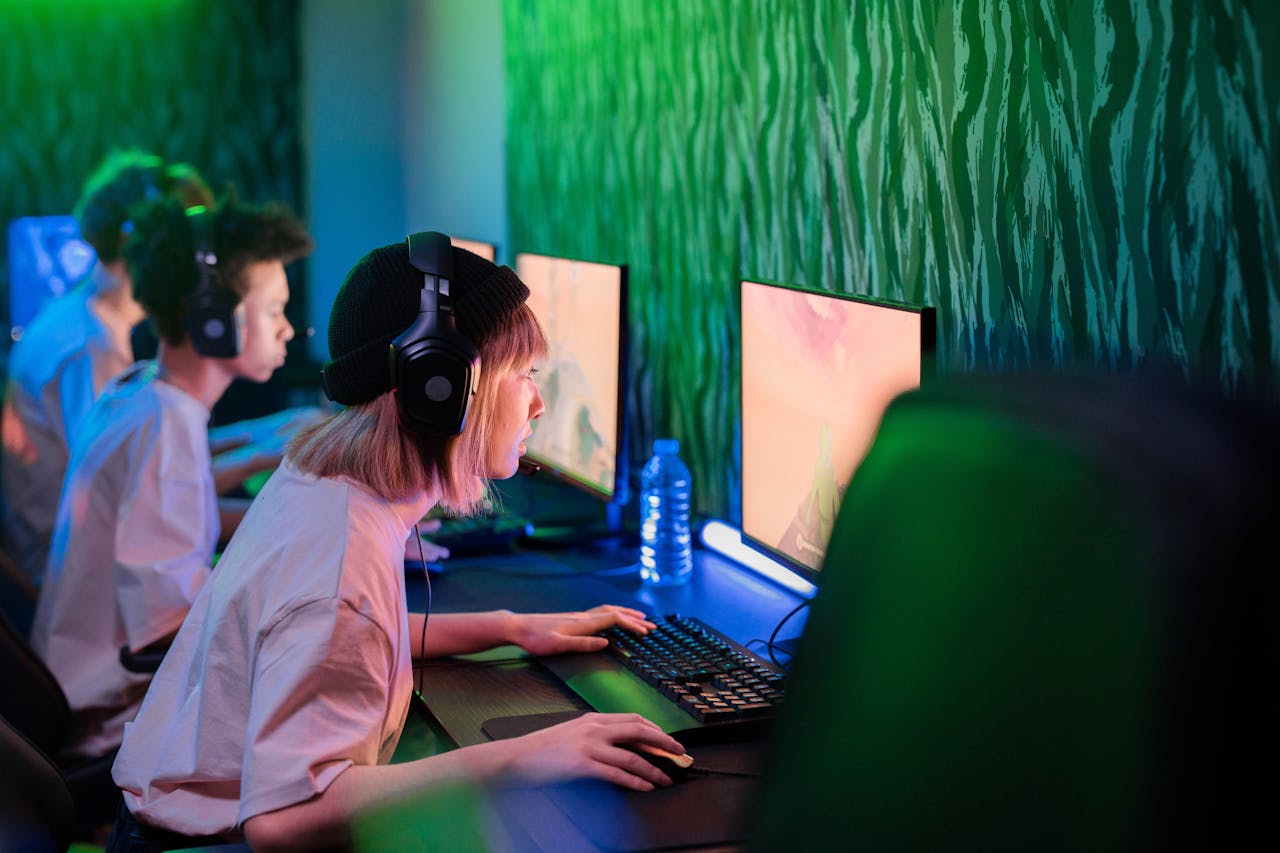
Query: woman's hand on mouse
[[587, 747], [555, 633]]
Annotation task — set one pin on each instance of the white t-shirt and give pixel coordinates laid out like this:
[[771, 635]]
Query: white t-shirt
[[56, 371], [136, 528], [293, 665]]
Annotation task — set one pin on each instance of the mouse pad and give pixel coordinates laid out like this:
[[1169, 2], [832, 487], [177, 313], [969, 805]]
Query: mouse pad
[[501, 728], [699, 810]]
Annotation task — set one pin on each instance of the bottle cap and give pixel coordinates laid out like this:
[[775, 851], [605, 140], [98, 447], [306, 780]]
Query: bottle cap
[[666, 446]]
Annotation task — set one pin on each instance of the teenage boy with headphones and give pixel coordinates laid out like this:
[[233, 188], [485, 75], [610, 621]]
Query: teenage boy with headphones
[[277, 708], [75, 345], [138, 519]]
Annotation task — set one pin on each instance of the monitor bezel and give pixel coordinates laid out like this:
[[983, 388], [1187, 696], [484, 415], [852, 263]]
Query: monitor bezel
[[619, 494], [928, 355]]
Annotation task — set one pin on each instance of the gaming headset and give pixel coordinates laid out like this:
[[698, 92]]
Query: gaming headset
[[213, 324], [434, 367]]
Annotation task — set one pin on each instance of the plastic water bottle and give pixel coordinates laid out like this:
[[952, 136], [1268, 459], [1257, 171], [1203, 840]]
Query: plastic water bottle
[[666, 555]]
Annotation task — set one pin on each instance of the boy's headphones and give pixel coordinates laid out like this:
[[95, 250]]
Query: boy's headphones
[[213, 324], [434, 367]]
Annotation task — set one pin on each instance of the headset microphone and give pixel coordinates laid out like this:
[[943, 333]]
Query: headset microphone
[[213, 323], [434, 367]]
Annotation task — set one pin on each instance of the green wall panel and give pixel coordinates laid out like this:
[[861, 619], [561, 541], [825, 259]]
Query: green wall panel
[[1068, 183], [211, 82]]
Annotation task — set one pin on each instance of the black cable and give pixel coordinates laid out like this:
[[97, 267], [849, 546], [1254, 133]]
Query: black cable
[[785, 619], [426, 576]]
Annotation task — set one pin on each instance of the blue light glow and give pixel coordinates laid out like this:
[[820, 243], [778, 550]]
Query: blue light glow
[[726, 540]]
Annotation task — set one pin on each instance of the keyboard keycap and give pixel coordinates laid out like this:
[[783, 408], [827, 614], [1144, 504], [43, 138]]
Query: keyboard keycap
[[698, 670]]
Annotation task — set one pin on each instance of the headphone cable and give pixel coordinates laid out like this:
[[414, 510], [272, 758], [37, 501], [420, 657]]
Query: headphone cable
[[422, 643]]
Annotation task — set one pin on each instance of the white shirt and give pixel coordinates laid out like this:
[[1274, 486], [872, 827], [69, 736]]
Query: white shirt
[[56, 371], [136, 528], [293, 665]]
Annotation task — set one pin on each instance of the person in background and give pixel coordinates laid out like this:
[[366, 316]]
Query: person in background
[[277, 709], [75, 345], [137, 522]]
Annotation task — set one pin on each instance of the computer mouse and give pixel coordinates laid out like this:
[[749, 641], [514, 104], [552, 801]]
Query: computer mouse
[[675, 766]]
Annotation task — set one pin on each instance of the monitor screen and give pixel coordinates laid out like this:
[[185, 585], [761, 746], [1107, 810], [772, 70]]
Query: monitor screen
[[583, 310], [47, 258], [488, 251], [818, 370]]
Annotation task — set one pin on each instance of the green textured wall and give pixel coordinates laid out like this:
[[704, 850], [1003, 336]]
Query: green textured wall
[[1068, 183], [211, 82]]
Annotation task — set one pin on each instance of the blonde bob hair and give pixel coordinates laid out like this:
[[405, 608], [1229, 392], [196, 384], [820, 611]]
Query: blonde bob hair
[[366, 444]]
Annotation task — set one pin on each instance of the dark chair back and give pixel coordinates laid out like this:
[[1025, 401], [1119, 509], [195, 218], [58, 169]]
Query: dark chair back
[[1044, 618], [34, 704], [36, 812], [32, 701], [17, 594]]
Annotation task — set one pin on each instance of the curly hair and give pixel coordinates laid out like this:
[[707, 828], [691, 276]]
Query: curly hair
[[161, 254], [123, 180]]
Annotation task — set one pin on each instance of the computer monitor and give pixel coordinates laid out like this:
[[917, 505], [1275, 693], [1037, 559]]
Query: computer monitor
[[47, 258], [488, 251], [818, 370], [581, 438]]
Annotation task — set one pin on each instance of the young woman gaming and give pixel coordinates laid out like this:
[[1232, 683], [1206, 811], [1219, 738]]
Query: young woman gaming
[[281, 701]]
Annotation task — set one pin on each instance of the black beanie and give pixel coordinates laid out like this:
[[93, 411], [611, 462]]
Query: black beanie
[[379, 299]]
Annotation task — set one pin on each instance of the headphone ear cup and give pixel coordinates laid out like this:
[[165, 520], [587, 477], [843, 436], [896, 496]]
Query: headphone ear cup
[[213, 323], [434, 372]]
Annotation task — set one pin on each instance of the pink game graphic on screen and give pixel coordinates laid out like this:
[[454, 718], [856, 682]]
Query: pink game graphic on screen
[[578, 304], [818, 371]]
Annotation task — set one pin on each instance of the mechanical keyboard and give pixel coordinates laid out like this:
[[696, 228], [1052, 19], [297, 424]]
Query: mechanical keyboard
[[480, 534], [697, 684]]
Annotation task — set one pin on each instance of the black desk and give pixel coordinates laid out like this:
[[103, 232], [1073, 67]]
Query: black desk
[[463, 694]]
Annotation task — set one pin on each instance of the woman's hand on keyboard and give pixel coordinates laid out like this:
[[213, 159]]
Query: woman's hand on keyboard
[[587, 747], [555, 633]]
